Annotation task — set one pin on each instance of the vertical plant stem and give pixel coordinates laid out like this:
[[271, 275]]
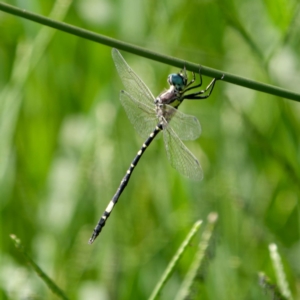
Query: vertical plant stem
[[171, 267], [49, 282]]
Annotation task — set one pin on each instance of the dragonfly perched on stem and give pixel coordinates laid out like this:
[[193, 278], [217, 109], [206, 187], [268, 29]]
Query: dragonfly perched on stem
[[150, 115]]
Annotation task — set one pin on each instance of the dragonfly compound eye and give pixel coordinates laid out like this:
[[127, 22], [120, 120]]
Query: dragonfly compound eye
[[177, 80]]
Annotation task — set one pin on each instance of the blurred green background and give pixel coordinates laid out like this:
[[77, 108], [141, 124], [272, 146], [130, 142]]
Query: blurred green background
[[66, 143]]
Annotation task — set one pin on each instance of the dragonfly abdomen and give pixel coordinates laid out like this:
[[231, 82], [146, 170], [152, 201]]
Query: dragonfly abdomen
[[123, 183]]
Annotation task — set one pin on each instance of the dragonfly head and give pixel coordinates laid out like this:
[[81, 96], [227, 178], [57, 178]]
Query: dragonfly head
[[179, 81]]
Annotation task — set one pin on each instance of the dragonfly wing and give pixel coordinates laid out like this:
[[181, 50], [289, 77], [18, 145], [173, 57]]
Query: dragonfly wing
[[180, 157], [142, 117], [132, 83], [187, 127]]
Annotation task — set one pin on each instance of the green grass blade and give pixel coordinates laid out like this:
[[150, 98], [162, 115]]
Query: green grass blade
[[179, 63], [261, 140], [170, 268], [278, 267], [289, 32], [51, 285], [230, 12], [190, 277], [28, 55]]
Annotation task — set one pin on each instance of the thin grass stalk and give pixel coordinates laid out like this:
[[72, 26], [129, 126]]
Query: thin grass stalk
[[280, 275], [179, 63], [184, 290], [49, 282], [171, 267]]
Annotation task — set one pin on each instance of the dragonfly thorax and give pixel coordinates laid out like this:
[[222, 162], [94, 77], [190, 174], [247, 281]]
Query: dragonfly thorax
[[169, 97]]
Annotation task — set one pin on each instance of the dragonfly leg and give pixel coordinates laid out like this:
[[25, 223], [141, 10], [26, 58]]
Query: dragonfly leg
[[193, 80], [199, 95], [189, 83]]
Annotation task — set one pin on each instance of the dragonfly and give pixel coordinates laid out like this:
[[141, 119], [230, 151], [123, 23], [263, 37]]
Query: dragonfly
[[150, 115]]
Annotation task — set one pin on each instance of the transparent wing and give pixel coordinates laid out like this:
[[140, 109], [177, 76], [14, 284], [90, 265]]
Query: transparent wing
[[187, 127], [132, 83], [180, 156], [142, 117]]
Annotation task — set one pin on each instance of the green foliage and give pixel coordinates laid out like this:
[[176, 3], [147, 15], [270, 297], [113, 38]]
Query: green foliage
[[65, 144]]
